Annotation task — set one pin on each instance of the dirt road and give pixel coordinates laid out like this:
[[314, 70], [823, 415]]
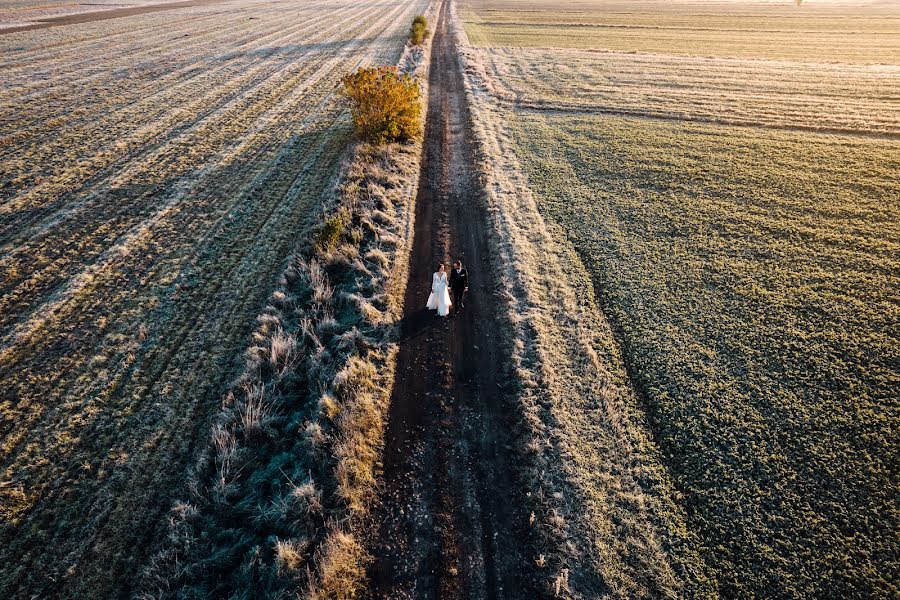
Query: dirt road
[[449, 522]]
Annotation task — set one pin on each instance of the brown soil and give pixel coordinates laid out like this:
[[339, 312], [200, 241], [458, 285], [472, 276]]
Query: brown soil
[[103, 15], [450, 522]]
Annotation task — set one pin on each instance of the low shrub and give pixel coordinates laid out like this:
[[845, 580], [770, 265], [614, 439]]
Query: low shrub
[[418, 31], [384, 103], [329, 234]]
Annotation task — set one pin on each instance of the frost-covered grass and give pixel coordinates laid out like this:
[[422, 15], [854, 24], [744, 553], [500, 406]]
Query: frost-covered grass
[[273, 505], [773, 94], [277, 504], [156, 172]]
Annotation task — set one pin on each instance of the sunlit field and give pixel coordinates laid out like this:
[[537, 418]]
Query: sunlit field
[[756, 302], [677, 373], [825, 31], [156, 171], [727, 175]]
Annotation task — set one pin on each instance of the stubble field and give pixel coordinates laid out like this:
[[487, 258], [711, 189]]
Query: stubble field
[[16, 14], [155, 173], [836, 31], [727, 180]]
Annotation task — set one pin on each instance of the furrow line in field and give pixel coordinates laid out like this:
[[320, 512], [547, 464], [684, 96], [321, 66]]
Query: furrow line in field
[[90, 39], [63, 66], [148, 110], [301, 81], [179, 193], [677, 30], [614, 66], [664, 116], [162, 113], [44, 111], [296, 186], [99, 36], [141, 380], [203, 44], [246, 144], [264, 181], [238, 94], [206, 294], [95, 38], [93, 295], [845, 98], [281, 35]]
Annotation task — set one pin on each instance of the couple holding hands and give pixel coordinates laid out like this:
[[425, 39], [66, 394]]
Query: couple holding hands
[[442, 287]]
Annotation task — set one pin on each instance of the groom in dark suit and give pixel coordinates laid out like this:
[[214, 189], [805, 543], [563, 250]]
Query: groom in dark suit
[[459, 285]]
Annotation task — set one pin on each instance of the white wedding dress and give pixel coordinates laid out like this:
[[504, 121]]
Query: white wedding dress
[[440, 294]]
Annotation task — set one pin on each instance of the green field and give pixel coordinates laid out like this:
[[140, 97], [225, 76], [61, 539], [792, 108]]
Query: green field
[[753, 281], [739, 220]]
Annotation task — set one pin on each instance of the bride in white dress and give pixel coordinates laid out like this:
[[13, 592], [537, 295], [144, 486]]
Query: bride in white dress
[[440, 294]]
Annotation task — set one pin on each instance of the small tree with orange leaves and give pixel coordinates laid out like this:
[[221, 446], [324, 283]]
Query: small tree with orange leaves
[[384, 104]]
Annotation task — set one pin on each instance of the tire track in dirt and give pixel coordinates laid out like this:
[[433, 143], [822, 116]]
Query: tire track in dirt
[[447, 524]]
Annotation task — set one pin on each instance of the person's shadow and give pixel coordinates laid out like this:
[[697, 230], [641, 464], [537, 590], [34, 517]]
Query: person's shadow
[[416, 324]]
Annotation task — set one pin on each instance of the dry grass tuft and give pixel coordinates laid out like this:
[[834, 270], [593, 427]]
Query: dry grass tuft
[[341, 567], [283, 352], [254, 412], [307, 499], [329, 406], [290, 556]]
